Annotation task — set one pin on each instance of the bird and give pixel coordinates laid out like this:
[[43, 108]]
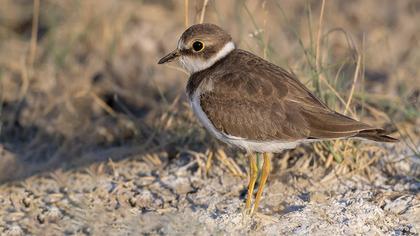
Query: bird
[[247, 102]]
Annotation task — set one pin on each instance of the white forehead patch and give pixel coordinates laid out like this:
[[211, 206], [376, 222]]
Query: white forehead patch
[[194, 64], [180, 44]]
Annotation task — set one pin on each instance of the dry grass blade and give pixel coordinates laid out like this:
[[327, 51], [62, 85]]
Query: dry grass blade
[[356, 75], [34, 33], [284, 161], [203, 11], [25, 80], [186, 13], [153, 159], [266, 31], [376, 112], [318, 38], [229, 163], [209, 155], [322, 78], [103, 104]]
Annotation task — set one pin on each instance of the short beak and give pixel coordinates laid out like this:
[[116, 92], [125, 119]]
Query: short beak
[[170, 57]]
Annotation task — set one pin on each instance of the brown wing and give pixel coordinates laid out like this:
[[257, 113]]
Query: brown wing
[[264, 102]]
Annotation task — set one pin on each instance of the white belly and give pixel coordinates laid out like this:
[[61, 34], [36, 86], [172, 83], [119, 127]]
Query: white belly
[[247, 144]]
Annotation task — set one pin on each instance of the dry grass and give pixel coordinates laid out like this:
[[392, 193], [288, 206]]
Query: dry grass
[[93, 86], [87, 88]]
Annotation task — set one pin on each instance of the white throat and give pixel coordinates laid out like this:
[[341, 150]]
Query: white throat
[[193, 65]]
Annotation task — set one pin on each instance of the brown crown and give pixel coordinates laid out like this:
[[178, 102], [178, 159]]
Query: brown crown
[[213, 37]]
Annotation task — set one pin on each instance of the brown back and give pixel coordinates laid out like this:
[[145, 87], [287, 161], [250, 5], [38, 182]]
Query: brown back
[[246, 96]]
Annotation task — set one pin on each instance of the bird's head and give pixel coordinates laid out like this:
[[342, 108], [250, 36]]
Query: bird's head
[[200, 46]]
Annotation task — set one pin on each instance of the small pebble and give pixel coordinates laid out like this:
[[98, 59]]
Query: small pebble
[[14, 230], [54, 214], [132, 201], [26, 202], [41, 218]]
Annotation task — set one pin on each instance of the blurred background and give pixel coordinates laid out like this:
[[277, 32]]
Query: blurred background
[[80, 84], [79, 81]]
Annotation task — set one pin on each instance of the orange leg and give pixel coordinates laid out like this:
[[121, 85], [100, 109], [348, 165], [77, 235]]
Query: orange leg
[[264, 175], [253, 174]]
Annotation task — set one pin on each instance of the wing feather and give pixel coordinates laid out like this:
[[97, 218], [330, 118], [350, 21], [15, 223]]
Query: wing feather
[[263, 102]]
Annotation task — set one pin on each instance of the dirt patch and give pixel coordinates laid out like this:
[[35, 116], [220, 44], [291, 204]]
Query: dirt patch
[[161, 196]]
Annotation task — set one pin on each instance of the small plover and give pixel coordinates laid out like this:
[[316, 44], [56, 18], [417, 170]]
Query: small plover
[[250, 103]]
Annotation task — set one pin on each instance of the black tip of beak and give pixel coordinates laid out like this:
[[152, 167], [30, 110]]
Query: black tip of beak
[[171, 56], [161, 61]]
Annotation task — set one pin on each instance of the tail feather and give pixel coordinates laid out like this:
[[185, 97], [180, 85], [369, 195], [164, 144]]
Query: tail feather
[[378, 135]]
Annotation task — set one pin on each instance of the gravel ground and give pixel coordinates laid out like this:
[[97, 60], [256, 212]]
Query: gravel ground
[[155, 195]]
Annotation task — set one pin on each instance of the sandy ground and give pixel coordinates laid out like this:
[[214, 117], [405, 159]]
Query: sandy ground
[[158, 196]]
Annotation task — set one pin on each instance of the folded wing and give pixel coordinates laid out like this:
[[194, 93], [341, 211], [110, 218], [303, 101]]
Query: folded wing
[[268, 103]]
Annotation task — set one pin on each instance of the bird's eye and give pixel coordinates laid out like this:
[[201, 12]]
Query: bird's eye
[[198, 46]]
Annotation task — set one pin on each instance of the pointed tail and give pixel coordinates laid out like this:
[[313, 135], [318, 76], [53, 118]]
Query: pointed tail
[[378, 135]]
